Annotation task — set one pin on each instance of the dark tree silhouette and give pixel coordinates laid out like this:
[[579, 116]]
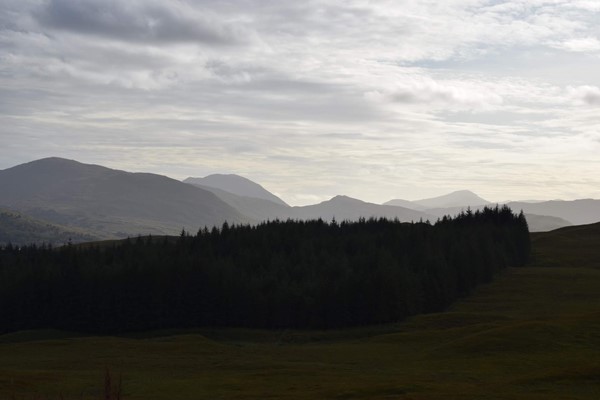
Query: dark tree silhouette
[[280, 274]]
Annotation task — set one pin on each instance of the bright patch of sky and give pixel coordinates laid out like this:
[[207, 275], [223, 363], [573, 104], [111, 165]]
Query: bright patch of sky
[[374, 100]]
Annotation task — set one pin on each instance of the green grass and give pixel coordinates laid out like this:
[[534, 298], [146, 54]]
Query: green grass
[[573, 246], [532, 334]]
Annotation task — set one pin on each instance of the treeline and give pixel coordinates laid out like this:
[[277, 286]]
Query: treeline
[[293, 274]]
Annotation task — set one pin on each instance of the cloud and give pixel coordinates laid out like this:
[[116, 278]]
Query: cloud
[[421, 90], [586, 44], [588, 95], [349, 95], [146, 21]]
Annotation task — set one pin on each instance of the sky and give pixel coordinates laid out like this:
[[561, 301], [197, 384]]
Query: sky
[[372, 99]]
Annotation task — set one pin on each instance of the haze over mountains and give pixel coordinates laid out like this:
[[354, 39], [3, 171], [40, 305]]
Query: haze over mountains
[[110, 203], [19, 229], [460, 198], [339, 207], [237, 185], [99, 202]]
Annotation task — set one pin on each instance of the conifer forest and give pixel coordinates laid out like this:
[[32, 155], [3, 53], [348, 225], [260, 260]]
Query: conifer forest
[[276, 275]]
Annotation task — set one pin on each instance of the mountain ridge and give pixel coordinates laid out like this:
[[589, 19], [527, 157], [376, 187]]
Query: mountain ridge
[[343, 207], [113, 202], [237, 185]]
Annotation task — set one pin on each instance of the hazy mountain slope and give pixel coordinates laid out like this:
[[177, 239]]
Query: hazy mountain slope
[[340, 207], [255, 208], [347, 208], [461, 198], [405, 203], [20, 229], [237, 185], [110, 201], [545, 223], [579, 212], [537, 223]]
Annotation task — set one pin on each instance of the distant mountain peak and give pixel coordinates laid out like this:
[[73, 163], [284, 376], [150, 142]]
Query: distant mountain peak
[[57, 165], [56, 161], [237, 185], [110, 202], [48, 161], [458, 198], [342, 197], [462, 192]]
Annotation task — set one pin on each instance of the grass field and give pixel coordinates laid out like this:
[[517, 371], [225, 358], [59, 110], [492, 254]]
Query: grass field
[[532, 334], [573, 246]]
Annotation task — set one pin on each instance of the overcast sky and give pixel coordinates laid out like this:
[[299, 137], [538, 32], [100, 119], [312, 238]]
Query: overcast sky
[[371, 99]]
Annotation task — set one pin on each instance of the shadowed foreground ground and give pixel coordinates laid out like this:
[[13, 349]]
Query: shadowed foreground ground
[[532, 334]]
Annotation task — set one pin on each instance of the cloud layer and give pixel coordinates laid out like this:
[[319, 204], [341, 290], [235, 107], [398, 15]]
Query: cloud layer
[[139, 21], [370, 99]]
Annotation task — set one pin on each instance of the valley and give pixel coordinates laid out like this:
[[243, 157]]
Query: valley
[[534, 333]]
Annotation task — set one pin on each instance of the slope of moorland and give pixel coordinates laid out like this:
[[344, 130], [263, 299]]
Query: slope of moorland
[[534, 333], [573, 246], [110, 202], [19, 229]]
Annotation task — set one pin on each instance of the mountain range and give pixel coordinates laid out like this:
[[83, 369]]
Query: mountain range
[[110, 203], [460, 198], [237, 185], [92, 201]]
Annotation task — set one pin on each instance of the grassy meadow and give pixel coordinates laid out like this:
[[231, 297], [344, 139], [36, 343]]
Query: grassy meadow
[[534, 333]]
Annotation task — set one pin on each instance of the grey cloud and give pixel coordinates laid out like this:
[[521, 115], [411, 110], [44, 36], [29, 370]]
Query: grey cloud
[[78, 79], [589, 95], [496, 117], [425, 91], [140, 21]]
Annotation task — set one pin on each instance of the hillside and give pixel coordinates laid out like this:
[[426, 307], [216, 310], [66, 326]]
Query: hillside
[[573, 246], [255, 208], [18, 229], [578, 212], [534, 333], [110, 202], [237, 185], [545, 223]]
